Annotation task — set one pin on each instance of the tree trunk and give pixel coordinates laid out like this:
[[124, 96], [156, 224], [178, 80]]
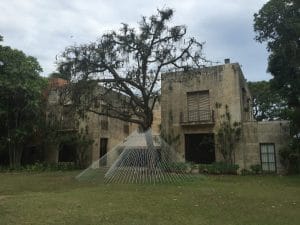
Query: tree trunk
[[15, 154]]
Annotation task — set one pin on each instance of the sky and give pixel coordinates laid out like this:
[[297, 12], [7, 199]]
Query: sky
[[44, 28]]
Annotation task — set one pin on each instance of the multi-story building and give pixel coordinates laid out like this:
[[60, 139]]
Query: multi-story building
[[193, 105], [105, 132]]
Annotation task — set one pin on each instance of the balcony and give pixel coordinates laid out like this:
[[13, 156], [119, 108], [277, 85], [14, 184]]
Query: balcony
[[197, 117]]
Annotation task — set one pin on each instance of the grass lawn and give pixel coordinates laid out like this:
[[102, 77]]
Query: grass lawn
[[56, 198]]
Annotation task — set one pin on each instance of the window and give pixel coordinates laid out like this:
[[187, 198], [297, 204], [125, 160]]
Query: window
[[104, 123], [267, 156], [198, 106], [126, 128]]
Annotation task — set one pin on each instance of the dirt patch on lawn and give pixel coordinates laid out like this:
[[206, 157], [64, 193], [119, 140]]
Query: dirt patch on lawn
[[3, 197]]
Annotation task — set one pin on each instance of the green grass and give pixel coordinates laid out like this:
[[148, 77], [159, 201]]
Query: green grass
[[56, 198]]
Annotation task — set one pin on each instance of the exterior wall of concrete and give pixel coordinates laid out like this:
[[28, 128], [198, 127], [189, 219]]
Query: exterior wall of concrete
[[256, 133], [156, 125], [115, 132], [227, 86]]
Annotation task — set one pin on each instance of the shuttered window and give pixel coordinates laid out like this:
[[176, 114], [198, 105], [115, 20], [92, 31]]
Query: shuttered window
[[198, 106], [267, 155]]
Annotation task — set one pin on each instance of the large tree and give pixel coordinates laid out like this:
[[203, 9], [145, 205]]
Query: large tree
[[128, 64], [20, 97], [278, 24]]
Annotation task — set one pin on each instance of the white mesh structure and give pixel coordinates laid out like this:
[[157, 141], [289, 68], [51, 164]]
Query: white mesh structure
[[141, 158]]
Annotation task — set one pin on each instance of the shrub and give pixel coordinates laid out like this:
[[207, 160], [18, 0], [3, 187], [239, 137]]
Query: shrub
[[177, 167], [256, 168], [290, 156], [40, 167], [245, 172], [218, 168]]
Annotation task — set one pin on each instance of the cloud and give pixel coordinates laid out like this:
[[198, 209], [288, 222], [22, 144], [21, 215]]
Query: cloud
[[44, 28]]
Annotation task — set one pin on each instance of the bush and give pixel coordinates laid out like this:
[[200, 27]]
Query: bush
[[256, 168], [245, 172], [177, 167], [218, 168], [40, 167], [290, 156]]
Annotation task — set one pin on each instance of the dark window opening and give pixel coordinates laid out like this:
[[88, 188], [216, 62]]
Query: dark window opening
[[104, 124], [32, 155], [200, 148], [67, 153], [126, 129], [103, 151]]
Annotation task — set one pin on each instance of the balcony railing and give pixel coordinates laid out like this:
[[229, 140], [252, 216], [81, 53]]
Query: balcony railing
[[195, 117]]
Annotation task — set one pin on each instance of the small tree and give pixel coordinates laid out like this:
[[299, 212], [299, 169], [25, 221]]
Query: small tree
[[227, 136]]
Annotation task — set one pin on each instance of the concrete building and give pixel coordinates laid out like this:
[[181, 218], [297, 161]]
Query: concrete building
[[193, 105], [104, 131], [189, 116]]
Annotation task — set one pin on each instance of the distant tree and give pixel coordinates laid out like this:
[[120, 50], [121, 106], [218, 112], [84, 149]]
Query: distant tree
[[278, 24], [20, 98], [129, 62], [267, 103]]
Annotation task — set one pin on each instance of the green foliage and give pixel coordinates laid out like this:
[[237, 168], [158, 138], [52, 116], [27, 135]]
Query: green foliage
[[256, 168], [43, 167], [227, 136], [278, 24], [245, 172], [219, 168], [290, 156], [177, 167], [20, 100], [81, 142], [267, 103]]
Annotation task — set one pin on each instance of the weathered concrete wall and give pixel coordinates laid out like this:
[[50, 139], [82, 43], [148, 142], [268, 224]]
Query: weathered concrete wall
[[256, 133], [156, 119], [91, 123], [115, 132], [225, 84]]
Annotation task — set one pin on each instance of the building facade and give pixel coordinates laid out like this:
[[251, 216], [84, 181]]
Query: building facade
[[104, 132], [193, 105]]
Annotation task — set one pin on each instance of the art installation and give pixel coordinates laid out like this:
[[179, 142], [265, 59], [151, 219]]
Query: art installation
[[141, 158]]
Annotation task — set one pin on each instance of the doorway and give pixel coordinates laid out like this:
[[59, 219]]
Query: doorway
[[103, 151], [200, 148]]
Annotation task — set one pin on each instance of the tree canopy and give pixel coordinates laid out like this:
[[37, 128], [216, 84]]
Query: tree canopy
[[267, 103], [20, 96], [129, 62], [278, 24]]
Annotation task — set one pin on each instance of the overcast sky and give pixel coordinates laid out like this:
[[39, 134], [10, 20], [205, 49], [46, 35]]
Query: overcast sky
[[43, 28]]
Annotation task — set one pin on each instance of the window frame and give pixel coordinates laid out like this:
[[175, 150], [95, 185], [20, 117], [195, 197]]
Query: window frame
[[268, 163]]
